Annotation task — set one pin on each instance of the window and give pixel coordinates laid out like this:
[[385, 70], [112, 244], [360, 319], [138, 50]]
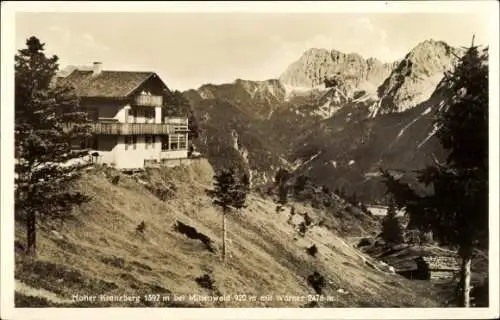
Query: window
[[182, 142], [134, 142], [149, 114], [149, 141], [164, 143], [134, 115], [128, 142], [174, 142]]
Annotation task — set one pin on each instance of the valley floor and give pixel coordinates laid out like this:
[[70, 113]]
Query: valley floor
[[99, 252]]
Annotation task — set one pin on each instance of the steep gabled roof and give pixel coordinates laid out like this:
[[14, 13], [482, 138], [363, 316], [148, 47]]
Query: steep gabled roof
[[107, 84]]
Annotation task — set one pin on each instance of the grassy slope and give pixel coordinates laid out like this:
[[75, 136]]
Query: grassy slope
[[100, 252]]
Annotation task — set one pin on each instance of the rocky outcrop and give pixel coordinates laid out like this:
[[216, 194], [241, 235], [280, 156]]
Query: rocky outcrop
[[315, 65], [416, 76]]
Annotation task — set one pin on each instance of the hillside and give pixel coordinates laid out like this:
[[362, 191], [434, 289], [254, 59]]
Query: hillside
[[99, 250]]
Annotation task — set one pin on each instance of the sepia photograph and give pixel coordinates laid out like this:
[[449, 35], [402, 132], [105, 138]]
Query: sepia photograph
[[256, 160]]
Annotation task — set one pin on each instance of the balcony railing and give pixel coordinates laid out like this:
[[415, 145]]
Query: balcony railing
[[148, 101], [176, 120], [132, 128], [178, 125], [111, 126]]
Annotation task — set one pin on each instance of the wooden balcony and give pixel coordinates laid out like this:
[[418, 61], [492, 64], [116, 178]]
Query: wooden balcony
[[131, 128], [111, 126], [148, 101], [178, 125]]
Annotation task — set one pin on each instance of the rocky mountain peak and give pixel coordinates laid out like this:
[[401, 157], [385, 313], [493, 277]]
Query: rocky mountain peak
[[415, 78], [316, 65]]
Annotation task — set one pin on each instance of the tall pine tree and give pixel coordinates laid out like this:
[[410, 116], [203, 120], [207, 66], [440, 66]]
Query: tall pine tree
[[230, 192], [456, 210], [44, 168]]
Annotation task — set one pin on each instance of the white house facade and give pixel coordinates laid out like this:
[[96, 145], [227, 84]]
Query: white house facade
[[129, 130]]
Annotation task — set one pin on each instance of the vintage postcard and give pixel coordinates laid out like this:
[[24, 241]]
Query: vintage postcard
[[255, 160]]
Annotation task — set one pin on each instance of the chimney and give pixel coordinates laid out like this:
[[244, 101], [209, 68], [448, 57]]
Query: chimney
[[96, 68]]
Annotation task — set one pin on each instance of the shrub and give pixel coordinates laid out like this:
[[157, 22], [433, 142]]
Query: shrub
[[307, 220], [317, 281], [302, 229], [115, 180], [206, 282], [312, 250], [141, 227]]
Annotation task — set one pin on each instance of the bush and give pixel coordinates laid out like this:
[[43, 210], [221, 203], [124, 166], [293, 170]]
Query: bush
[[302, 229], [317, 281], [115, 180], [307, 220], [206, 282], [141, 227], [312, 250]]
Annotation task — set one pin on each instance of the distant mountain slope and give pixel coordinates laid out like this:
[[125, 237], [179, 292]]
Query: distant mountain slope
[[232, 131], [350, 154]]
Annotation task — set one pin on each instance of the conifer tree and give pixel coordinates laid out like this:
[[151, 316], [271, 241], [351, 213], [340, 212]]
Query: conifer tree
[[230, 192], [391, 228], [44, 168], [281, 179], [456, 211], [176, 105]]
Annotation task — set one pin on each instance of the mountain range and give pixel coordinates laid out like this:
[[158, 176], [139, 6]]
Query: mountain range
[[335, 117]]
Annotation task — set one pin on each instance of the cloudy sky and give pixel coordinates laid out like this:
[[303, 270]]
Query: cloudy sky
[[190, 49]]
